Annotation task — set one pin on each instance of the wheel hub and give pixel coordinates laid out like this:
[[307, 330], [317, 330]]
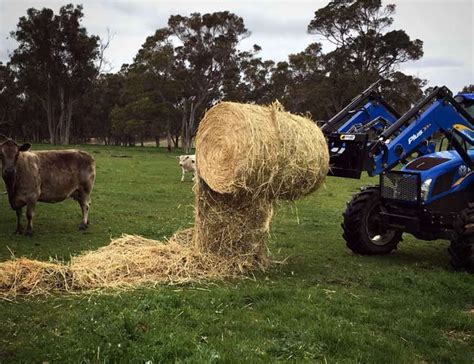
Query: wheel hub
[[375, 232]]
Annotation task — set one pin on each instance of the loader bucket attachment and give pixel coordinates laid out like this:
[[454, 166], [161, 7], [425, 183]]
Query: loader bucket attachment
[[347, 154]]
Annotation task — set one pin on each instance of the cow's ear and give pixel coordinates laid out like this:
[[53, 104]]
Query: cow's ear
[[25, 147]]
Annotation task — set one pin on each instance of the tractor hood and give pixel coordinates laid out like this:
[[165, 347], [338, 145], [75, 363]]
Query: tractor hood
[[448, 156], [435, 164], [465, 96], [439, 172]]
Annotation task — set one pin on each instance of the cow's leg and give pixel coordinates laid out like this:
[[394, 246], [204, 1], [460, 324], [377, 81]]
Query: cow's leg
[[30, 212], [19, 229], [84, 202], [182, 174]]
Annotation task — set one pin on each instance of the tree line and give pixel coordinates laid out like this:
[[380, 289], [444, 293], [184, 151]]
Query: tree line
[[54, 89]]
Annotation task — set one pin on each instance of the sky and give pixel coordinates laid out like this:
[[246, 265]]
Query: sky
[[279, 27]]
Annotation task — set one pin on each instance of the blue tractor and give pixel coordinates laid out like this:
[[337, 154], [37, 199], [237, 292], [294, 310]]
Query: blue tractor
[[427, 194]]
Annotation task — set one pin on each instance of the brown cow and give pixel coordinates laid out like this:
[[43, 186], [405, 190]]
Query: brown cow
[[49, 176]]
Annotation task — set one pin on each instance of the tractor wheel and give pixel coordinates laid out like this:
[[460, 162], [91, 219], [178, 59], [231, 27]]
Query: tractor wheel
[[462, 247], [362, 225]]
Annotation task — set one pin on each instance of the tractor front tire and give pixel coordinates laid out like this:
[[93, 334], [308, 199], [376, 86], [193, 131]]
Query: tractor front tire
[[362, 228], [461, 249]]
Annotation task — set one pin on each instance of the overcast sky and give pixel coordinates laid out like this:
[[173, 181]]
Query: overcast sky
[[279, 27]]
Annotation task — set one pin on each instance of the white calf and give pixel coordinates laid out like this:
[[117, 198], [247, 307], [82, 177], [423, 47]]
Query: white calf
[[187, 164]]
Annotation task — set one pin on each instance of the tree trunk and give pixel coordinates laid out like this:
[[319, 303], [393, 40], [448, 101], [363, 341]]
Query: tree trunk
[[191, 123], [47, 105], [62, 116], [67, 131], [168, 136], [49, 114], [189, 127], [183, 131], [184, 125]]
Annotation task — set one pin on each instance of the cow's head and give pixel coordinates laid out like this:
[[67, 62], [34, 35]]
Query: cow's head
[[9, 153], [182, 159]]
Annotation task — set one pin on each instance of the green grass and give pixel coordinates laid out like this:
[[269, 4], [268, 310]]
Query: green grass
[[323, 304]]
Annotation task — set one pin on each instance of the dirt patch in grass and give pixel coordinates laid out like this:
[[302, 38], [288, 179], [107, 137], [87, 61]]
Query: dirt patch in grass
[[456, 335]]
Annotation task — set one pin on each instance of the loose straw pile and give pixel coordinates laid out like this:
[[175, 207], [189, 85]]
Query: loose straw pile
[[248, 157]]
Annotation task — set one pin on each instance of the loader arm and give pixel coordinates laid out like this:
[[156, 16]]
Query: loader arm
[[356, 127], [438, 112], [334, 124]]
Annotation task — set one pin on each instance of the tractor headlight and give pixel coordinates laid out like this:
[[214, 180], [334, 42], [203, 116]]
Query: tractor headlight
[[425, 189]]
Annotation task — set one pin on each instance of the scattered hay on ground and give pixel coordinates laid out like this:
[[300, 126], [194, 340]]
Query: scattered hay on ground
[[133, 260], [26, 276], [126, 262], [248, 157]]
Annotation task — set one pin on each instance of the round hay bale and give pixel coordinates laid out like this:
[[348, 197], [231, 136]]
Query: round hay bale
[[260, 150]]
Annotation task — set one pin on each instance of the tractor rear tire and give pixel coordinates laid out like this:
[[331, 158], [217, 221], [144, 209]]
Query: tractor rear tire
[[362, 228], [462, 247]]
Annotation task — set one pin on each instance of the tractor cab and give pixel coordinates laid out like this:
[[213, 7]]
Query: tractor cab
[[467, 101]]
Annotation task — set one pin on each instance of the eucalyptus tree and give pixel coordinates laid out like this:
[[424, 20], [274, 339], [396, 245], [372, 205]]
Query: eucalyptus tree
[[188, 65], [365, 48], [56, 61]]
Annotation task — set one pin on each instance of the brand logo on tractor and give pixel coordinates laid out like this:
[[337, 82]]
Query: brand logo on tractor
[[418, 134], [414, 137], [347, 137], [463, 170]]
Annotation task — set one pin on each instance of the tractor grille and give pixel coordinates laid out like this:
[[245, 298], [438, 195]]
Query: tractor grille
[[400, 186]]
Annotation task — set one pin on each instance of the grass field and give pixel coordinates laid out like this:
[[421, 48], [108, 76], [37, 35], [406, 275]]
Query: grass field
[[324, 304]]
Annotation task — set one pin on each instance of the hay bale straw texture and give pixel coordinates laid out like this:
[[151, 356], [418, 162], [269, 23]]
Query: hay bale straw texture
[[248, 157], [263, 151]]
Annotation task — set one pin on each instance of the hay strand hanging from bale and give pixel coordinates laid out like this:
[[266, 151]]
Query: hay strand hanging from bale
[[230, 226], [248, 157]]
